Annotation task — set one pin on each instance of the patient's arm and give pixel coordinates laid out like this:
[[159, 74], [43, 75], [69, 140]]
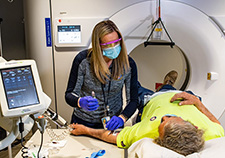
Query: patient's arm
[[102, 134], [189, 99]]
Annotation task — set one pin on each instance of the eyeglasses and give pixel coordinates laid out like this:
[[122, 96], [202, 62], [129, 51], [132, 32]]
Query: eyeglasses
[[111, 43]]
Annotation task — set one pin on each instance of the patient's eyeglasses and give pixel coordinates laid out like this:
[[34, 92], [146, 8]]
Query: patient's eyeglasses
[[110, 44]]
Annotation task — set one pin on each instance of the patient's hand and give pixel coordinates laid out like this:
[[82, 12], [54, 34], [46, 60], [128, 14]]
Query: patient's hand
[[187, 99], [78, 129]]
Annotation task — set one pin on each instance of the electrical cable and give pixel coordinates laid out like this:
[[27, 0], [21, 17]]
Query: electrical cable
[[24, 150], [40, 144]]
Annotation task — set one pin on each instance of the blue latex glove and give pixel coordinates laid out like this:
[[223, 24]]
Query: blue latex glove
[[114, 123], [97, 154], [88, 103]]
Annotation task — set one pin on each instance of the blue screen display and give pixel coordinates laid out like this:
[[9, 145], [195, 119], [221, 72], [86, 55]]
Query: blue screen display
[[19, 87]]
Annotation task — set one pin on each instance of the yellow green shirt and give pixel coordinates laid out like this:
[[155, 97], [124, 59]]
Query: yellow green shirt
[[159, 106]]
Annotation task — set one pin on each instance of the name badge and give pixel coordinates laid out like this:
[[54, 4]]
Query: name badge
[[104, 121]]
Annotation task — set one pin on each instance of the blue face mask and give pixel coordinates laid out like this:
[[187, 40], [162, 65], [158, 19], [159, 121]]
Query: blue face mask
[[113, 52]]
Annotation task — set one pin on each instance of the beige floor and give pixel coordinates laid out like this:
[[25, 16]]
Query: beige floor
[[15, 149]]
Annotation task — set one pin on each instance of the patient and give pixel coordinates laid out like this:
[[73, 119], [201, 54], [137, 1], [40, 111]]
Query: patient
[[174, 119]]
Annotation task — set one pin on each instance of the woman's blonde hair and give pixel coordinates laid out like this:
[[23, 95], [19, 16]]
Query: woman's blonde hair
[[98, 64], [184, 138]]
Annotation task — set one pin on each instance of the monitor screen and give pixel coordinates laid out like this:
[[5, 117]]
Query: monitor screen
[[19, 86], [69, 34]]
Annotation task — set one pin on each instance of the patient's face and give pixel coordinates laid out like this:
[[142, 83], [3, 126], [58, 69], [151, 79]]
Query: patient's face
[[166, 120]]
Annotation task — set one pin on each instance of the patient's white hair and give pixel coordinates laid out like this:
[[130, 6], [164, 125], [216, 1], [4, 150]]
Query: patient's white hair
[[183, 138]]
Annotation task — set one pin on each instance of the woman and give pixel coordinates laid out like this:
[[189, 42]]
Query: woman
[[97, 77]]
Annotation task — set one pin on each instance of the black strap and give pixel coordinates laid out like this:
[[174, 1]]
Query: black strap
[[106, 97]]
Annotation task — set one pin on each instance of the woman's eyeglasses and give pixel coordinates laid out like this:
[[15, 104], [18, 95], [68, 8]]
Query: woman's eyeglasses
[[111, 43]]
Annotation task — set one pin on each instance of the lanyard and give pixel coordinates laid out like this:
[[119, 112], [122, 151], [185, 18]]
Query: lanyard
[[106, 97]]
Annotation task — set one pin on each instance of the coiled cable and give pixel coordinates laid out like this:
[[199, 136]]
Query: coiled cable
[[24, 150], [57, 137]]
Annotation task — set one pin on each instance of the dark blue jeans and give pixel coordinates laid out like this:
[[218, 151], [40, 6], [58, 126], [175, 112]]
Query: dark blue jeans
[[144, 91], [166, 88]]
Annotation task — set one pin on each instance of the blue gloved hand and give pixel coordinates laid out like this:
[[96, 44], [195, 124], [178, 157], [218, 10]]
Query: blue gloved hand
[[88, 103], [114, 123]]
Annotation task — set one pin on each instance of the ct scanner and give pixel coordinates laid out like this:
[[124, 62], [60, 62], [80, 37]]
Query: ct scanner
[[196, 27]]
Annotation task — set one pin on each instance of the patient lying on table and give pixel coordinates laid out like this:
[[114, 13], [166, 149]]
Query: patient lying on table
[[176, 120]]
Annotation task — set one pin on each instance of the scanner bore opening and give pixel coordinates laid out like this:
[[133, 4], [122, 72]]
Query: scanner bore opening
[[154, 62]]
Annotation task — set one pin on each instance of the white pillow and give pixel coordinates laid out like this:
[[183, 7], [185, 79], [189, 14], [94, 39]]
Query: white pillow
[[145, 148], [214, 148]]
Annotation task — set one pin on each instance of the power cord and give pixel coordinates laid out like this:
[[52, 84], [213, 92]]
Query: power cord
[[24, 150], [41, 125], [40, 144]]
